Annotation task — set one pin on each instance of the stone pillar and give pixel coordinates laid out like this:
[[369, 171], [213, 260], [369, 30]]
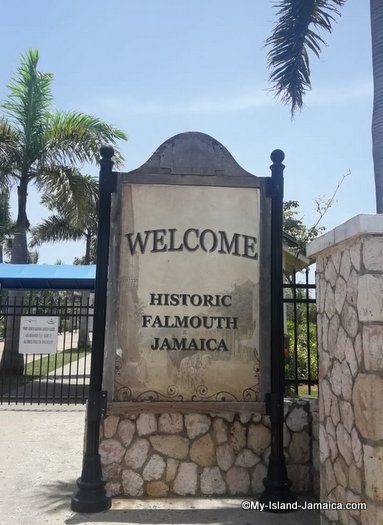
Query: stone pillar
[[349, 269]]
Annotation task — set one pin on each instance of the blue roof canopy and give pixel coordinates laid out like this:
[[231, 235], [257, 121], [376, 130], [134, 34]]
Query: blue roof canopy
[[45, 276]]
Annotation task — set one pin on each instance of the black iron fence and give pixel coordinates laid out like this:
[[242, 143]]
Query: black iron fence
[[301, 368], [63, 376], [60, 374]]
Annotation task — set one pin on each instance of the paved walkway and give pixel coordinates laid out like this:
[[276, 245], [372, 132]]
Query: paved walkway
[[40, 459]]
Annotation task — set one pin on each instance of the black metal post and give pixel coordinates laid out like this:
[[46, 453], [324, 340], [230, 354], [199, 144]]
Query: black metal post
[[277, 484], [90, 495]]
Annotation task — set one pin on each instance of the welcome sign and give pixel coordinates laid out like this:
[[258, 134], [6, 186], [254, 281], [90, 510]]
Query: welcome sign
[[188, 262]]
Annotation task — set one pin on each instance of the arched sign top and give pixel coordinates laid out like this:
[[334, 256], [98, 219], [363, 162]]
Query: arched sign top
[[192, 153]]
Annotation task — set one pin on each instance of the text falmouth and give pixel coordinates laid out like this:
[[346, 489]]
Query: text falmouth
[[191, 240], [216, 322]]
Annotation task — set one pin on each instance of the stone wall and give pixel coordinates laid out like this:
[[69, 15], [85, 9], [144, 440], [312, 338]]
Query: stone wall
[[350, 336], [175, 454]]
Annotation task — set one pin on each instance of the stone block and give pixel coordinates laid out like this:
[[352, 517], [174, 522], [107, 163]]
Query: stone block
[[340, 294], [258, 438], [350, 320], [154, 468], [347, 415], [373, 461], [340, 344], [111, 472], [245, 417], [132, 483], [137, 454], [350, 357], [333, 330], [352, 288], [341, 472], [212, 482], [176, 447], [345, 265], [146, 424], [324, 444], [373, 515], [113, 489], [238, 481], [202, 451], [328, 480], [368, 402], [111, 451], [300, 447], [297, 420], [225, 457], [197, 424], [329, 305], [126, 431], [220, 431], [346, 381], [336, 378], [355, 478], [373, 347], [355, 255], [157, 489], [246, 458], [237, 436], [110, 426], [372, 254], [358, 350], [258, 475], [344, 442], [356, 446], [171, 469], [185, 483], [370, 298], [330, 272], [170, 423]]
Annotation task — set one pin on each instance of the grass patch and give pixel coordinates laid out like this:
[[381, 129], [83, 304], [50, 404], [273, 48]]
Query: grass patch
[[41, 367], [303, 391]]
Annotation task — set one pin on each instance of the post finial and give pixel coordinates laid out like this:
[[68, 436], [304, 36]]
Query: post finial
[[277, 156], [106, 151]]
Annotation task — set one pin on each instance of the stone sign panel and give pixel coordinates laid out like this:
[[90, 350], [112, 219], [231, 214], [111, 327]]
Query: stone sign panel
[[185, 294]]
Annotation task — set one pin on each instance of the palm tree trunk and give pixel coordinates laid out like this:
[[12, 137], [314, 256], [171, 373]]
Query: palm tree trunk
[[12, 363], [83, 331], [19, 253], [376, 7]]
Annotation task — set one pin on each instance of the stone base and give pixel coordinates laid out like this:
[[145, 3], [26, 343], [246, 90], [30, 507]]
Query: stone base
[[222, 454]]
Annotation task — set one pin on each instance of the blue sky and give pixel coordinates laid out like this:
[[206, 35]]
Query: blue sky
[[156, 68]]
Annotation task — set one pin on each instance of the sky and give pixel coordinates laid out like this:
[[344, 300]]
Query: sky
[[155, 68]]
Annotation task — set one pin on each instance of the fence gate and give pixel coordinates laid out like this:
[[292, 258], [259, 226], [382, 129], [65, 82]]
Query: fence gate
[[45, 346]]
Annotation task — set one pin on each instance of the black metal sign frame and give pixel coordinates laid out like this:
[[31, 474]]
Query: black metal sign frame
[[90, 495]]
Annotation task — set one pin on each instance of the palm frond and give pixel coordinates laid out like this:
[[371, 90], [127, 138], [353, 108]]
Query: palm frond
[[297, 32], [29, 101], [9, 153], [54, 228], [76, 137], [72, 194]]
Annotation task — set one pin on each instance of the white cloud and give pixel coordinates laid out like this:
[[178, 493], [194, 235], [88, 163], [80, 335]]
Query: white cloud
[[234, 102]]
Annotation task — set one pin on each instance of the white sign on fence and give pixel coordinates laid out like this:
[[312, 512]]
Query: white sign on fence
[[38, 334]]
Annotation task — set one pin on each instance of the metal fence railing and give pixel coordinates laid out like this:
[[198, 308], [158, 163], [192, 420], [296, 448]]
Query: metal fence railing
[[62, 377], [301, 364], [58, 375]]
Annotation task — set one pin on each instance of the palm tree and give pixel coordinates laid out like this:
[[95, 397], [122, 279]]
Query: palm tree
[[73, 222], [295, 34], [43, 147]]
